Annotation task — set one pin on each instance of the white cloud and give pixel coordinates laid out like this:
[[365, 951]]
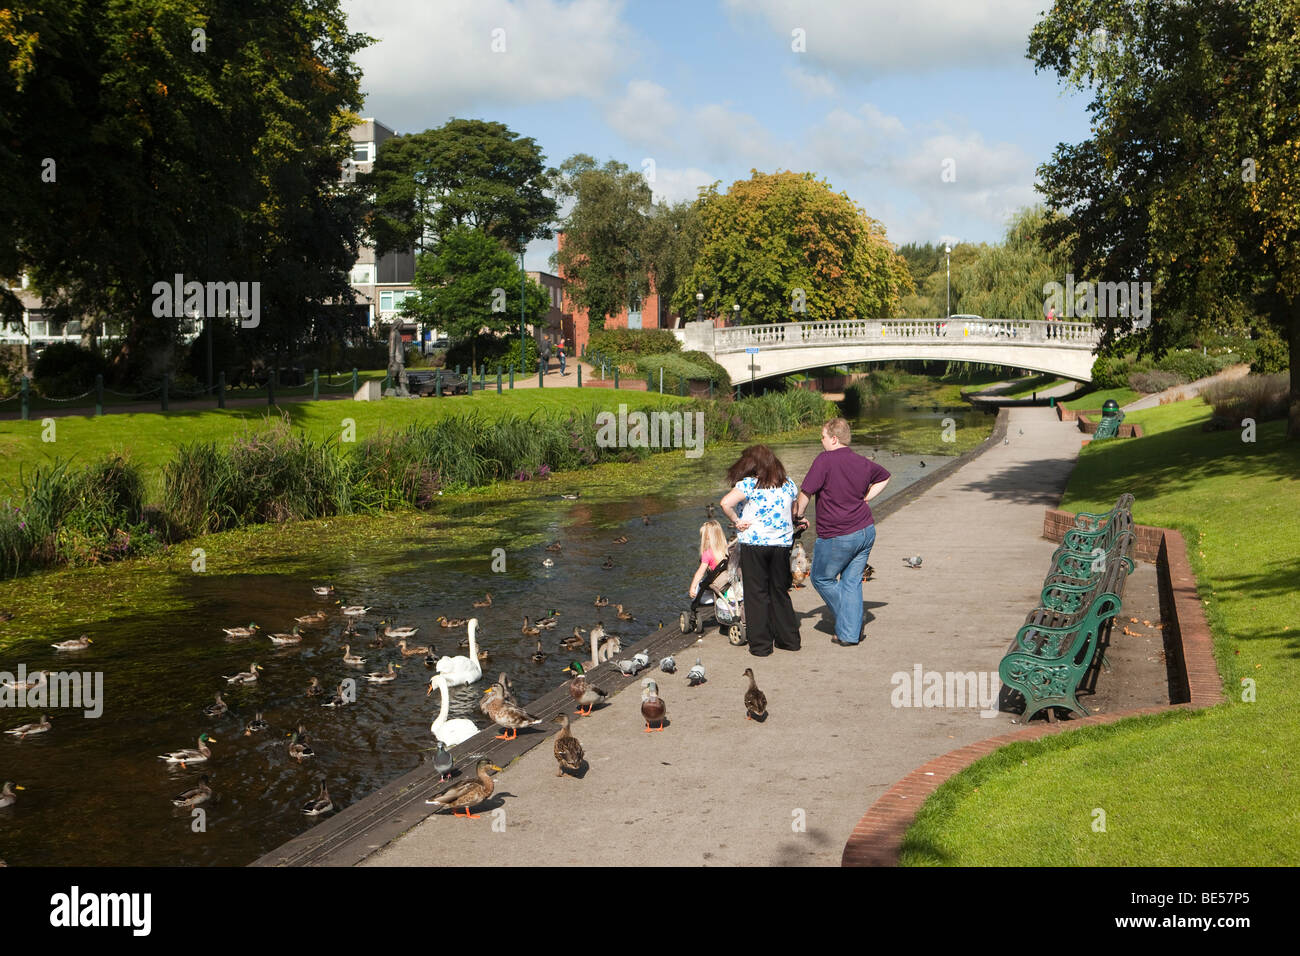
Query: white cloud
[[810, 84], [432, 60], [642, 113], [676, 185], [864, 37]]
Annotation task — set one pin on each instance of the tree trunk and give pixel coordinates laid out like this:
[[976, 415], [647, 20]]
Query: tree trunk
[[1293, 340]]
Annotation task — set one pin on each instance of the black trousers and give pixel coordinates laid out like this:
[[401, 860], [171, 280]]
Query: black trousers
[[769, 615]]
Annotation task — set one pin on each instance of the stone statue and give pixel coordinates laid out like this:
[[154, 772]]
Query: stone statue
[[396, 362]]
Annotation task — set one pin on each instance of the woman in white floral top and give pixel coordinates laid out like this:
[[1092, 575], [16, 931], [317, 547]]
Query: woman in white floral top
[[766, 532]]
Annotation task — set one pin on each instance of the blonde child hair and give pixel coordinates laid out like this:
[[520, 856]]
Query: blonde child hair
[[712, 538]]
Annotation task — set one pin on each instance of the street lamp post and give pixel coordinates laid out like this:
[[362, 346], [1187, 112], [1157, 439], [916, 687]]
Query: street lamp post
[[523, 277], [947, 258], [699, 306], [735, 313]]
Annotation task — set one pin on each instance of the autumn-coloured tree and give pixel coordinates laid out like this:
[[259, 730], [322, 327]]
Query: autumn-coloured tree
[[785, 247]]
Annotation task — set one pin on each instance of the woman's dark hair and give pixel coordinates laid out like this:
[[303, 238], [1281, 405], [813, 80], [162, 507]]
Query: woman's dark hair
[[758, 462]]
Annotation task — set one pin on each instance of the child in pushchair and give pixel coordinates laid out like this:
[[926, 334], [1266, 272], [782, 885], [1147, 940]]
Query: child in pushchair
[[716, 587]]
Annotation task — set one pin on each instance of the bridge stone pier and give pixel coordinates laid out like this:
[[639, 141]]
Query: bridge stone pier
[[1059, 348]]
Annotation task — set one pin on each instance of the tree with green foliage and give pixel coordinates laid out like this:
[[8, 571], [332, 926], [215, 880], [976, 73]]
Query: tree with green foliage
[[785, 247], [1006, 281], [464, 173], [929, 269], [469, 284], [1190, 178], [603, 256], [671, 239], [149, 138]]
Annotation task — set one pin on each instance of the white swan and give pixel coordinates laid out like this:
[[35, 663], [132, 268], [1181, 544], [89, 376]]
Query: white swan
[[450, 732], [462, 670]]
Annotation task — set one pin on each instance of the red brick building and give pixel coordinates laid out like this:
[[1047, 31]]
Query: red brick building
[[649, 313]]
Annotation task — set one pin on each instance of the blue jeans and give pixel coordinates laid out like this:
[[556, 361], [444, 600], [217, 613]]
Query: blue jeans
[[844, 557], [561, 363]]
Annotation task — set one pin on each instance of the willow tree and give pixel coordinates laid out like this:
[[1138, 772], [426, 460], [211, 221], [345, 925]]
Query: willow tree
[[1006, 280], [785, 247], [1191, 179]]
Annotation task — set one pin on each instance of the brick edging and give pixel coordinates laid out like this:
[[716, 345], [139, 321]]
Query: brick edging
[[877, 839]]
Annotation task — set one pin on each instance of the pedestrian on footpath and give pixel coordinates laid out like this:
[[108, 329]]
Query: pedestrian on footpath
[[544, 355], [765, 534], [559, 351], [843, 482]]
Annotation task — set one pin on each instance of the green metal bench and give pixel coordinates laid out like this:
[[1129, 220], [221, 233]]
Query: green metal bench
[[1108, 427], [1068, 592], [1054, 652], [1093, 521], [1079, 548]]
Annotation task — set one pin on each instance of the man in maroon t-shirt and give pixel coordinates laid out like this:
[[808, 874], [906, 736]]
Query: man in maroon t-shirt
[[843, 482]]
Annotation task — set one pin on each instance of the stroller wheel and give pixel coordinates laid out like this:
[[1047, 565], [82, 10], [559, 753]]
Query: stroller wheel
[[685, 622], [736, 634]]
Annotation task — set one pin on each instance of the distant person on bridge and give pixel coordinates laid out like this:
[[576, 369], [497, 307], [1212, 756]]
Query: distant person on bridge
[[843, 482], [1051, 317]]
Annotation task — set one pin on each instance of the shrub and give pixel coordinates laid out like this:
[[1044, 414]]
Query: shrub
[[65, 369], [1111, 371], [624, 346], [11, 369], [1271, 353], [1155, 381], [492, 350], [1190, 365], [706, 362], [681, 368], [1261, 397]]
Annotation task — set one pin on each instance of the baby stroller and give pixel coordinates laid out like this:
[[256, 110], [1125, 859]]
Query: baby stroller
[[721, 595]]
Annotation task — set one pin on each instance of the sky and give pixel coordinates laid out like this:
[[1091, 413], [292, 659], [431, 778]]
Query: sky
[[926, 113]]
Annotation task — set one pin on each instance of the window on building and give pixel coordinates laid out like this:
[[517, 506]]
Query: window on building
[[361, 152], [363, 275], [385, 302]]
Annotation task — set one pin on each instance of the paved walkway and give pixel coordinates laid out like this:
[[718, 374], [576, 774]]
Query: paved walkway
[[717, 789], [1183, 392]]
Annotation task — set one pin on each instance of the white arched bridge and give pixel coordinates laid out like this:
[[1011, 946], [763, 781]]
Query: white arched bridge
[[1059, 348]]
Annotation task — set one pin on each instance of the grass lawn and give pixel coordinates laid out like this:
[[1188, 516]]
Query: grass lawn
[[1094, 400], [1212, 788], [150, 438]]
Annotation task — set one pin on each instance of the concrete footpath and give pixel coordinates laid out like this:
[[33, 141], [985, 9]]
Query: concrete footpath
[[715, 788]]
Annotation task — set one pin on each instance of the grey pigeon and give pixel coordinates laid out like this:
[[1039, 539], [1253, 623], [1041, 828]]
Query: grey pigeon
[[1006, 441], [627, 667], [695, 675], [442, 762], [913, 562], [668, 665], [641, 660]]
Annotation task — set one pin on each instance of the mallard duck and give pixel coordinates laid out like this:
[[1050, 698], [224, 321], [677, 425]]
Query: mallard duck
[[341, 697], [217, 708], [399, 632], [568, 752], [548, 563], [76, 644], [708, 511], [385, 677], [194, 796], [755, 699], [317, 618], [867, 573], [321, 805], [601, 601], [624, 615], [452, 622], [469, 794], [608, 563], [409, 651], [645, 520], [191, 755], [245, 677], [572, 497], [241, 632], [350, 658], [584, 693], [529, 628], [32, 683], [695, 676], [539, 656], [621, 539], [298, 748], [486, 602], [574, 642], [449, 732], [800, 566], [463, 670], [504, 714], [653, 707], [442, 761], [555, 547], [377, 641], [291, 638], [431, 657], [314, 688], [6, 616], [7, 796], [256, 725], [26, 730], [354, 610], [323, 590]]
